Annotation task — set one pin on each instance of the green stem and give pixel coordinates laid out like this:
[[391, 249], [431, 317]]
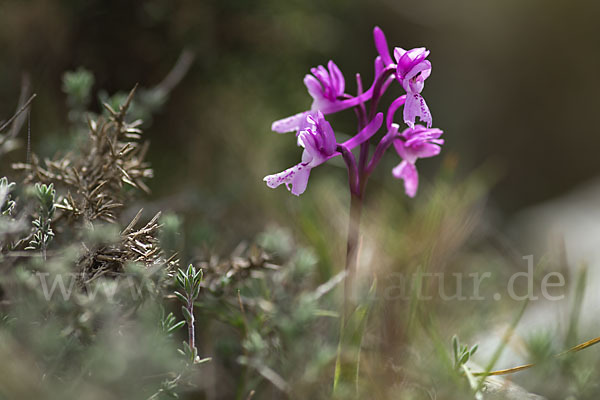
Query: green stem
[[352, 248], [191, 326], [354, 315]]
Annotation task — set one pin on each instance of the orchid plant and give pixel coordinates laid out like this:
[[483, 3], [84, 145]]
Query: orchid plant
[[410, 68], [327, 88]]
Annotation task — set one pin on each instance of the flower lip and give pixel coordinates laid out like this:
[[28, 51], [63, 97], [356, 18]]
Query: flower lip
[[409, 174], [414, 107]]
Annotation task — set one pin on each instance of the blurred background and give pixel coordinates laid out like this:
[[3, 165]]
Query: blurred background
[[513, 83], [514, 87]]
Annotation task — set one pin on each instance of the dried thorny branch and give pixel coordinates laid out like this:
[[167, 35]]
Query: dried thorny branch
[[95, 176], [220, 274], [135, 245], [91, 187]]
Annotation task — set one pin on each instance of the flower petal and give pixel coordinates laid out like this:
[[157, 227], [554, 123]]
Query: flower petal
[[407, 172], [416, 85], [327, 136], [398, 53], [414, 107], [296, 176], [428, 150], [295, 123], [315, 89], [407, 60], [337, 79], [420, 133], [405, 152]]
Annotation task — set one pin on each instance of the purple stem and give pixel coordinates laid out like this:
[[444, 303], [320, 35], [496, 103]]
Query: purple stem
[[360, 109], [348, 157], [358, 175], [379, 87], [389, 118], [364, 147], [381, 148]]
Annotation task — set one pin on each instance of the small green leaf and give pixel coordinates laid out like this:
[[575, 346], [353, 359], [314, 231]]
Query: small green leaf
[[473, 349], [455, 347], [464, 358], [180, 281], [196, 292], [187, 315], [198, 276], [181, 297], [176, 326]]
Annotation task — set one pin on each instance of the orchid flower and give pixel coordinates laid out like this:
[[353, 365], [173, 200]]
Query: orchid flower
[[412, 144], [412, 69], [320, 145], [326, 86]]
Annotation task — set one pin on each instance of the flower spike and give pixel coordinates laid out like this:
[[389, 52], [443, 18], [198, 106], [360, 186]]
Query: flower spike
[[326, 86]]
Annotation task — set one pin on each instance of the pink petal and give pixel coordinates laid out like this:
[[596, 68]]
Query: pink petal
[[399, 146], [428, 150], [296, 176], [398, 53], [424, 67], [321, 73], [328, 136], [406, 60], [290, 124], [407, 172], [337, 79], [414, 107], [323, 76], [315, 89]]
